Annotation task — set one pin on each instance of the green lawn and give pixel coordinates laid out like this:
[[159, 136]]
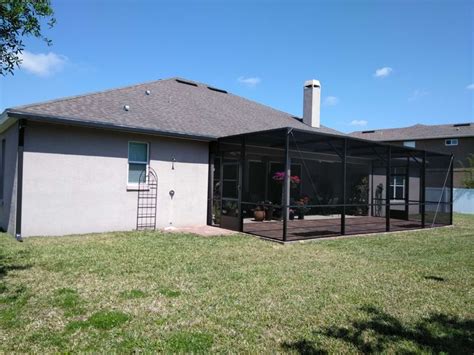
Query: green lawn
[[122, 292]]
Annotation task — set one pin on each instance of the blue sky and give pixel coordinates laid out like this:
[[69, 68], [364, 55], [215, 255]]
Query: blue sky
[[381, 63]]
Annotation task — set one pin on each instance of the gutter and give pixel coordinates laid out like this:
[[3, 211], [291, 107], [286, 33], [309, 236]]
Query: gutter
[[19, 183]]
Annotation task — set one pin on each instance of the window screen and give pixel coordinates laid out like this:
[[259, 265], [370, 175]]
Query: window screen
[[137, 161]]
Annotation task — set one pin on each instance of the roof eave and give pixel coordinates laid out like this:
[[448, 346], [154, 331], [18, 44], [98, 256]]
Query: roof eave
[[107, 126], [6, 121]]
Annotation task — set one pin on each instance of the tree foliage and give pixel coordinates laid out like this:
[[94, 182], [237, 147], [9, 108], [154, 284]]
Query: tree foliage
[[19, 19], [469, 177]]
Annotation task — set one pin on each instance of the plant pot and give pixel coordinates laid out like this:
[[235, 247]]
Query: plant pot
[[291, 215], [259, 215], [269, 214], [300, 215]]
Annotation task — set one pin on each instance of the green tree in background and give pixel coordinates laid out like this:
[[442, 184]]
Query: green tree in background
[[469, 178], [20, 19]]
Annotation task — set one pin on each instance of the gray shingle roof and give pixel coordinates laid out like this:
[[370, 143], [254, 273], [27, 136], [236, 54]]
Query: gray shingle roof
[[417, 132], [170, 106]]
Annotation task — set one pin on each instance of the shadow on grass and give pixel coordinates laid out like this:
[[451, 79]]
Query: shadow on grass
[[436, 333], [434, 278], [13, 263]]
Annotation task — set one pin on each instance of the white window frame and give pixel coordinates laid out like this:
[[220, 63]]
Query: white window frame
[[451, 142], [411, 144], [147, 163], [394, 185]]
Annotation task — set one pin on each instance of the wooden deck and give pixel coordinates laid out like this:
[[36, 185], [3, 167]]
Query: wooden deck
[[323, 228]]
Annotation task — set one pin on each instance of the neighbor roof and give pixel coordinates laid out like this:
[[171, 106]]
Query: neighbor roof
[[173, 107], [417, 132]]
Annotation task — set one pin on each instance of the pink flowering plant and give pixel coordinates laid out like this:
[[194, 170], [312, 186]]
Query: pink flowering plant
[[279, 176]]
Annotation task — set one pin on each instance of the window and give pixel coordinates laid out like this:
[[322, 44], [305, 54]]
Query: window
[[411, 144], [397, 187], [137, 161], [2, 169], [450, 142]]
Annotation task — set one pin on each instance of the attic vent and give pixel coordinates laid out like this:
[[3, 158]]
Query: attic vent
[[126, 107], [186, 82], [148, 92], [368, 131], [461, 125], [216, 89]]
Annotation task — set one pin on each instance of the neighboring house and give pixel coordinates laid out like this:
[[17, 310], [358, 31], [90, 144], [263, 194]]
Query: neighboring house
[[74, 165], [456, 139]]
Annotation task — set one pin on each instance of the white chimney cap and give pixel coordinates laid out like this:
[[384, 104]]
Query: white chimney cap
[[312, 84]]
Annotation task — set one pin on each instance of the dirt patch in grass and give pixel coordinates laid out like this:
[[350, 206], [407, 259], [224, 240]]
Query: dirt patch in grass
[[132, 294]]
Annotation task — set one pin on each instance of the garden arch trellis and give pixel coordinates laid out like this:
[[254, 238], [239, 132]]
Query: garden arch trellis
[[147, 200]]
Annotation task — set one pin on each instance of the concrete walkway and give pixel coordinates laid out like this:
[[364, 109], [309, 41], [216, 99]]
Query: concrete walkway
[[206, 231]]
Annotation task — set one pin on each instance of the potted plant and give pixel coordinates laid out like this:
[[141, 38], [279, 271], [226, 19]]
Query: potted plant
[[360, 196], [291, 214], [279, 177], [302, 206], [259, 213], [268, 210]]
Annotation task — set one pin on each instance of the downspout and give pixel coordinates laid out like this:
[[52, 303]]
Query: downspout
[[19, 183]]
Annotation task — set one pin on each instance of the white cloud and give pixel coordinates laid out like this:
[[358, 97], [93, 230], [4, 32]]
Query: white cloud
[[359, 123], [418, 94], [42, 64], [331, 101], [383, 72], [470, 87], [251, 81]]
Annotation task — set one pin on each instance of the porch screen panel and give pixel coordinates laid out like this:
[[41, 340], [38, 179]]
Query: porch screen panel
[[262, 185], [438, 189], [366, 186], [316, 186]]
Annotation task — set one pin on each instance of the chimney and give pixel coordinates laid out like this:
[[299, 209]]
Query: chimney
[[312, 103]]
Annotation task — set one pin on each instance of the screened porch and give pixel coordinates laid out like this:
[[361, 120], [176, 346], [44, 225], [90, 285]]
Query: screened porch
[[289, 184]]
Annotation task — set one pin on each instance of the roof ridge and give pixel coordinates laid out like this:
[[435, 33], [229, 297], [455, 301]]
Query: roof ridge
[[67, 98], [415, 125]]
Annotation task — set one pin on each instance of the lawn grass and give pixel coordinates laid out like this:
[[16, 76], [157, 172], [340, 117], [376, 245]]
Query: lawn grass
[[124, 292]]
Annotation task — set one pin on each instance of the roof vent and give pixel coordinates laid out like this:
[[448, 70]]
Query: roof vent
[[461, 125], [126, 107], [148, 92], [216, 89], [297, 118], [186, 82], [368, 131]]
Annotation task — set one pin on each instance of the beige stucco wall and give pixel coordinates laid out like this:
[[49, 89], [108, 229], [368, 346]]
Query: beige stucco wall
[[8, 204], [75, 181]]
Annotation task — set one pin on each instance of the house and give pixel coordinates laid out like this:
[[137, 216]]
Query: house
[[456, 139], [179, 153]]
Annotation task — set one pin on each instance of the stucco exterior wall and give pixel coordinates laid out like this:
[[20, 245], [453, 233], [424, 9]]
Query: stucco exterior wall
[[75, 181], [8, 203], [461, 153]]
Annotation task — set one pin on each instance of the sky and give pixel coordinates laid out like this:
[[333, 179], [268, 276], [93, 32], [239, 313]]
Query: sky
[[381, 64]]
